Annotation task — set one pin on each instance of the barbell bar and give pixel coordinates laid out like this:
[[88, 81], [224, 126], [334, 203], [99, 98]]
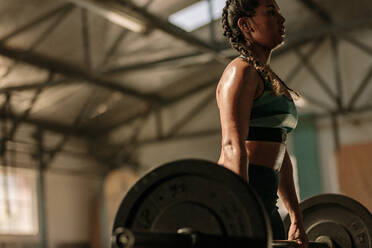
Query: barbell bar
[[125, 238], [294, 244]]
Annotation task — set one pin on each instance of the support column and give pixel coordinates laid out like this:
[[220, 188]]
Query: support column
[[39, 156], [42, 210], [105, 228]]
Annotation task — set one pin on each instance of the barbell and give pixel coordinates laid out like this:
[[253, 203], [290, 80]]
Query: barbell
[[197, 203]]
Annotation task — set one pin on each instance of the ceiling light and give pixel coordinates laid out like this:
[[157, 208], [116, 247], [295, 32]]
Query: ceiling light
[[101, 109], [114, 13], [126, 21]]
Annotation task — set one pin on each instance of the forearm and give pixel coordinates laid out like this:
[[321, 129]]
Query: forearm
[[236, 159], [287, 190]]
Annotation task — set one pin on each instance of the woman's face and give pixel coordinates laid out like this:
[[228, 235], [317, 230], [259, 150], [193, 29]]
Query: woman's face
[[267, 25]]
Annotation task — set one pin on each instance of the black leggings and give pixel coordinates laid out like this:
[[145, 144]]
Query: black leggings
[[265, 182]]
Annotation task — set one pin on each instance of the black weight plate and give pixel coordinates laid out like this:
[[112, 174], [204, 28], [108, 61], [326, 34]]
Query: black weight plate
[[196, 194], [344, 220]]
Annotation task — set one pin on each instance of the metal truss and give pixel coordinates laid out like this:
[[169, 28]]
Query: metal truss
[[53, 66], [318, 10], [164, 104], [294, 40], [85, 74], [337, 97], [75, 75], [71, 71], [127, 150]]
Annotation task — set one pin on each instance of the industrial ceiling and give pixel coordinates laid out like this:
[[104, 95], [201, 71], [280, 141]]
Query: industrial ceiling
[[70, 69]]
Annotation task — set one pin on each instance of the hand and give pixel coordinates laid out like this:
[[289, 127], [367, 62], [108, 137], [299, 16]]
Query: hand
[[297, 233]]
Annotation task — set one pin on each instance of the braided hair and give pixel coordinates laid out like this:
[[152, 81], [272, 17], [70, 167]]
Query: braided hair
[[233, 10]]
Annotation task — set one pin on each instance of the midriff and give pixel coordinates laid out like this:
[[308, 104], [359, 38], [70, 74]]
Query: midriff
[[265, 153]]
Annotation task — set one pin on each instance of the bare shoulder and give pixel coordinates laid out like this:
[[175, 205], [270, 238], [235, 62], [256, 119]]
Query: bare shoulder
[[239, 74]]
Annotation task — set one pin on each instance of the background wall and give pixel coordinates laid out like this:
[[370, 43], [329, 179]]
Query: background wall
[[70, 205]]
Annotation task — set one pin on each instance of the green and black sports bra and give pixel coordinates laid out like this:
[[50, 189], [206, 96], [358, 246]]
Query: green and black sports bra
[[272, 116]]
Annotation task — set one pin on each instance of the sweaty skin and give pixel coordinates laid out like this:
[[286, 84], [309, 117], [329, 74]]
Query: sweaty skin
[[239, 85], [234, 97]]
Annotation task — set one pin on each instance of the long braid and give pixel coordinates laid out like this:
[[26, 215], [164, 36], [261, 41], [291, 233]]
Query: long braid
[[232, 11], [236, 38]]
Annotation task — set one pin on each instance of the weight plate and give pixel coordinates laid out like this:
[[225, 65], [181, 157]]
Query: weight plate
[[344, 220], [194, 194]]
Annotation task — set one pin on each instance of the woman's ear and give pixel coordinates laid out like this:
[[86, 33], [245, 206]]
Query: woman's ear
[[244, 25]]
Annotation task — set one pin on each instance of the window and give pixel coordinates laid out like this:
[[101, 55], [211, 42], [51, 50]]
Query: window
[[18, 207], [197, 15]]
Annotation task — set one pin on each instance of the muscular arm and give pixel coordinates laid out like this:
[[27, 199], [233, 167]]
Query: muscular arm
[[287, 190], [235, 96], [288, 195]]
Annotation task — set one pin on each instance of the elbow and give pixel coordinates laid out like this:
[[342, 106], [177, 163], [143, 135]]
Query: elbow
[[233, 148]]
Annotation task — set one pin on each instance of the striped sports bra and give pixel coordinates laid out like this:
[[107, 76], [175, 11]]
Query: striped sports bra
[[271, 111]]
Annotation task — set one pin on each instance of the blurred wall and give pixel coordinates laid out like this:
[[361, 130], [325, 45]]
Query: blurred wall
[[71, 186], [70, 202], [355, 130]]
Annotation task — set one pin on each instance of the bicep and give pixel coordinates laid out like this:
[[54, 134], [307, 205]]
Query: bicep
[[235, 101]]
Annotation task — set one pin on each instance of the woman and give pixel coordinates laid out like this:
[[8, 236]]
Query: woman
[[257, 110]]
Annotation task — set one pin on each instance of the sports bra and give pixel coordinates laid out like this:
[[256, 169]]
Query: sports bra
[[273, 112]]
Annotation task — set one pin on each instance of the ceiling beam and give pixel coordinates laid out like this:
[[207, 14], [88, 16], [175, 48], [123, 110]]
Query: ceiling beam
[[151, 64], [34, 85], [114, 13], [166, 103], [293, 40], [49, 125], [53, 65], [32, 23], [364, 47], [321, 12]]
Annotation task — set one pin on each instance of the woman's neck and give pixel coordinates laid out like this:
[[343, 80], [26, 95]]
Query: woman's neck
[[262, 54]]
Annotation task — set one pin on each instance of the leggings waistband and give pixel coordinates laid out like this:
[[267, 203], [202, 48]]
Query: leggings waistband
[[267, 134]]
